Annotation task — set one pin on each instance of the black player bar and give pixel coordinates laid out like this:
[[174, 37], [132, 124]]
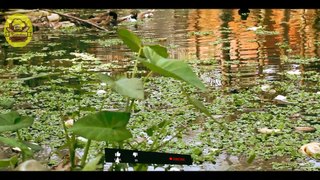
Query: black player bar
[[132, 156]]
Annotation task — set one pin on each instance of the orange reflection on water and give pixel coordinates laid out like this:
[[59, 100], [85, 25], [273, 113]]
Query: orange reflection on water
[[261, 40]]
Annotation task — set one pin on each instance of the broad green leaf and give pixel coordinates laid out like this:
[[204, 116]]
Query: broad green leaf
[[13, 121], [130, 39], [106, 79], [151, 54], [9, 162], [92, 165], [171, 68], [14, 143], [103, 126], [132, 88], [199, 105], [160, 50]]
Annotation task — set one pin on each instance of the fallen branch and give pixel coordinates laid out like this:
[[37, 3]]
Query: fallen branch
[[17, 11], [77, 19]]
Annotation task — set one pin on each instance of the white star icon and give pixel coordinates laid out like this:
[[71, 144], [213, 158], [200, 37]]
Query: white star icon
[[117, 154], [117, 160]]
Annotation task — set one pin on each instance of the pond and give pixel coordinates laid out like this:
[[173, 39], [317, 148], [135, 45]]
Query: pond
[[245, 64]]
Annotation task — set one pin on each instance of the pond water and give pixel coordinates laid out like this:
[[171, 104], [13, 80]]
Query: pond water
[[244, 50], [236, 53]]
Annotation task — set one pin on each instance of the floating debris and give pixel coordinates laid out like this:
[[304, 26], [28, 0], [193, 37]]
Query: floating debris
[[69, 123], [269, 71], [311, 149], [101, 92], [266, 130], [280, 99], [16, 149], [84, 56], [64, 24], [162, 39], [265, 87], [53, 17], [254, 28], [294, 72], [295, 116], [305, 129]]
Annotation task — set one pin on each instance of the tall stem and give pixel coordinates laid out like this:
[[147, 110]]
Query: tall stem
[[86, 150], [19, 135], [70, 145], [147, 76], [69, 142], [184, 92], [129, 105], [20, 139]]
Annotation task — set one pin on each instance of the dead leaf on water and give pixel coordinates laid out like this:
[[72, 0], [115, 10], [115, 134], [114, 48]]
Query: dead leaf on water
[[305, 129]]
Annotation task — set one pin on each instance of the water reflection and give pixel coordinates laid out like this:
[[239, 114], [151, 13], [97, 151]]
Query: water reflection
[[246, 50], [241, 51], [238, 47]]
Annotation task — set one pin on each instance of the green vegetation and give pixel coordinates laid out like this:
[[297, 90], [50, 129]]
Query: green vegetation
[[105, 126], [64, 98]]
